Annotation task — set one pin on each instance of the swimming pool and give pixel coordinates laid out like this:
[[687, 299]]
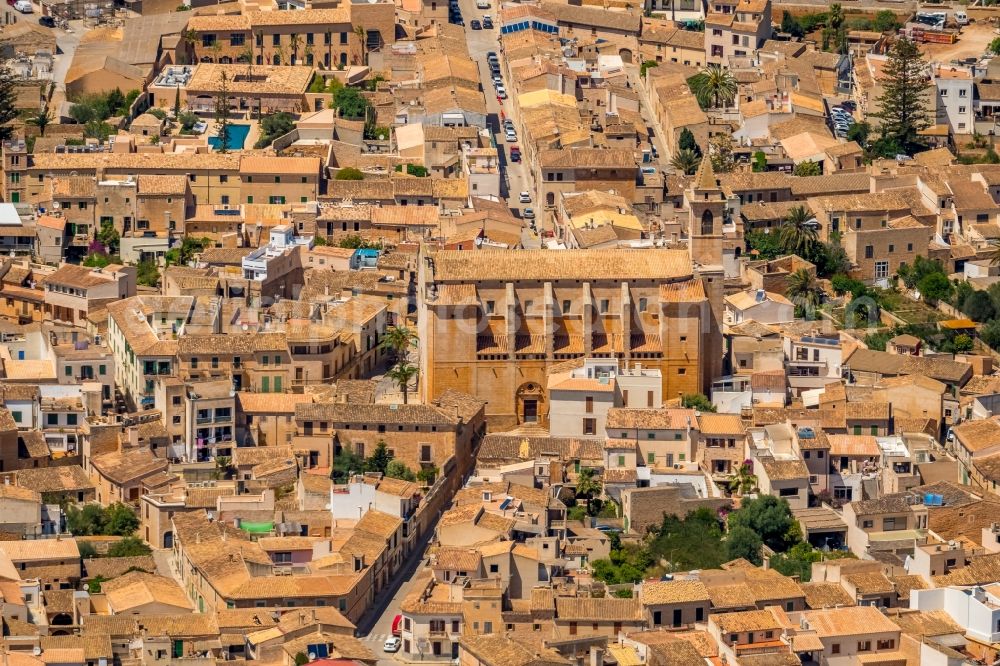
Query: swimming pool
[[236, 136]]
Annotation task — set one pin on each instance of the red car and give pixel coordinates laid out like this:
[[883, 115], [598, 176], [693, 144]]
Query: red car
[[515, 154]]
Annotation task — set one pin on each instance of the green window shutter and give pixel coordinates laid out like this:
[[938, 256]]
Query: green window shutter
[[17, 416], [265, 384], [103, 369], [69, 371], [277, 384], [651, 457], [250, 199]]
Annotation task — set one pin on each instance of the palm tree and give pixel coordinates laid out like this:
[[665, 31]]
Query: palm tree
[[715, 85], [294, 42], [686, 161], [836, 16], [402, 373], [587, 485], [798, 234], [398, 340], [259, 40], [362, 34], [42, 120], [802, 289], [190, 39], [223, 467], [743, 480], [247, 55], [994, 254]]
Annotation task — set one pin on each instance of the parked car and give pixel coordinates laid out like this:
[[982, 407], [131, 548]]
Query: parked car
[[515, 154], [501, 92], [482, 4], [528, 214], [491, 55], [524, 197], [497, 80], [476, 25], [24, 6], [508, 124], [511, 136], [46, 21], [487, 23], [392, 644]]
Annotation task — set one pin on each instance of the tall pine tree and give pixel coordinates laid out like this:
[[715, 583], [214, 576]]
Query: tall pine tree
[[902, 104], [7, 110]]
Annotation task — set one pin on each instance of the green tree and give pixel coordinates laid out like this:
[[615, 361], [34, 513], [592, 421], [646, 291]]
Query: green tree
[[694, 542], [798, 233], [129, 547], [697, 401], [744, 542], [350, 103], [886, 21], [990, 334], [42, 120], [714, 86], [859, 132], [797, 561], [398, 340], [397, 469], [427, 474], [349, 173], [379, 460], [767, 246], [345, 464], [8, 98], [403, 373], [994, 46], [223, 467], [685, 161], [902, 104], [791, 26], [222, 112], [147, 273], [301, 659], [686, 141], [935, 287], [274, 125], [97, 260], [94, 584], [645, 66], [743, 481], [120, 520], [961, 343], [587, 485], [771, 518], [807, 168], [759, 161], [86, 521], [87, 550], [803, 290], [189, 247], [978, 306]]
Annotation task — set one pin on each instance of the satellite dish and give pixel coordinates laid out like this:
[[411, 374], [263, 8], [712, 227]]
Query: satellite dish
[[312, 656], [36, 650]]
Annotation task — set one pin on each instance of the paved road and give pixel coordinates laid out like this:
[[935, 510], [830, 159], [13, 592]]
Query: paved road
[[376, 625], [515, 177]]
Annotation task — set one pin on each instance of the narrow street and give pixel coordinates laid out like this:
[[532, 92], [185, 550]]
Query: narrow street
[[376, 626], [514, 175]]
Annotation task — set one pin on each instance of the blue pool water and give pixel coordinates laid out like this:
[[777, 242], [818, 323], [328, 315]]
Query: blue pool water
[[236, 136]]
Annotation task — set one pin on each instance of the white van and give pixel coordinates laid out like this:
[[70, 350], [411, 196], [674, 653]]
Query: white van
[[961, 18], [24, 6], [482, 4]]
